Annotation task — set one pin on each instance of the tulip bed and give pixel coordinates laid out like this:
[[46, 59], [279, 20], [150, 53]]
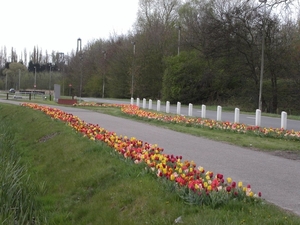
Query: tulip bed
[[202, 123], [212, 124], [192, 183]]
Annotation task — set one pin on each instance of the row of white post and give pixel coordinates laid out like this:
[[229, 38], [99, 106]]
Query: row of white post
[[203, 111]]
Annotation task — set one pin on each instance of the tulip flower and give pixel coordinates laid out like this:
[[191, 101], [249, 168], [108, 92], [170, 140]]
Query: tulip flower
[[240, 184], [229, 180]]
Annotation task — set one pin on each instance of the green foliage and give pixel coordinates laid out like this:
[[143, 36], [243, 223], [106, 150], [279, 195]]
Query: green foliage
[[120, 74], [11, 74], [94, 86], [149, 76], [186, 79], [14, 68]]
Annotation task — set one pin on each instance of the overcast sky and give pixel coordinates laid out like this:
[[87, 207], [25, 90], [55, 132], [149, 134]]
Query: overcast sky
[[56, 25]]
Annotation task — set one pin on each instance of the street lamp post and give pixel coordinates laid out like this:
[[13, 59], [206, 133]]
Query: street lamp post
[[50, 80], [179, 36], [80, 56], [61, 57], [6, 81], [70, 86], [34, 85], [262, 57], [34, 78], [19, 79], [103, 82], [132, 72]]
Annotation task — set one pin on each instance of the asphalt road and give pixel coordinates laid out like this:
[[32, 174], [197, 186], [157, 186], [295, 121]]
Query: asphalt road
[[226, 116], [277, 178]]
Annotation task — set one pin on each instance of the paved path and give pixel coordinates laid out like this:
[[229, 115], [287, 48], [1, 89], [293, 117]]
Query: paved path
[[277, 178]]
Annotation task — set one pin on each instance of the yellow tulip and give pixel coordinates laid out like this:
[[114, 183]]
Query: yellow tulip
[[172, 177], [164, 170], [201, 169], [229, 180], [240, 184]]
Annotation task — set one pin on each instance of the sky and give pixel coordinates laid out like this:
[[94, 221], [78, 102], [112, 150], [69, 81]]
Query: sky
[[57, 24]]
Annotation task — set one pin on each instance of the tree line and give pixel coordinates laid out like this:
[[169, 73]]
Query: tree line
[[41, 72], [200, 52]]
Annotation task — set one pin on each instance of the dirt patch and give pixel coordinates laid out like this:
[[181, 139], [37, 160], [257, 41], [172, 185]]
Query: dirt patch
[[47, 137], [292, 155], [287, 154]]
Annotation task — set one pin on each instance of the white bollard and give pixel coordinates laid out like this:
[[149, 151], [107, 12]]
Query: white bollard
[[237, 115], [138, 102], [167, 107], [144, 103], [283, 120], [150, 104], [258, 117], [203, 111], [178, 108], [132, 101], [190, 109], [158, 106], [219, 113]]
